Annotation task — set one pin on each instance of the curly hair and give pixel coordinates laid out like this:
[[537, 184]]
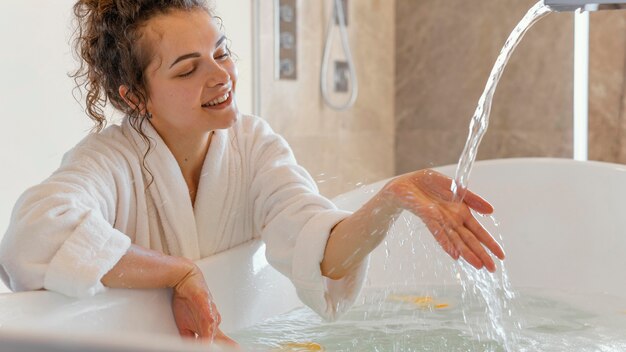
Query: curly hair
[[108, 43]]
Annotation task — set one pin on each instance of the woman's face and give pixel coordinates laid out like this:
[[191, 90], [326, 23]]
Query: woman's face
[[191, 79]]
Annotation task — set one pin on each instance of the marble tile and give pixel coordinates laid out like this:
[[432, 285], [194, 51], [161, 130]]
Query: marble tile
[[607, 82], [445, 52], [431, 148], [364, 159], [418, 149], [518, 143]]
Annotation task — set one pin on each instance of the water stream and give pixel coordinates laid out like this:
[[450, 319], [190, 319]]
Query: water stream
[[480, 120], [495, 294]]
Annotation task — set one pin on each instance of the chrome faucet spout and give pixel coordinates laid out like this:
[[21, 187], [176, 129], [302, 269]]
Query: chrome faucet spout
[[585, 5]]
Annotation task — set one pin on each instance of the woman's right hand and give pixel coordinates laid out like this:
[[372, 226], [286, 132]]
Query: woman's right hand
[[195, 312]]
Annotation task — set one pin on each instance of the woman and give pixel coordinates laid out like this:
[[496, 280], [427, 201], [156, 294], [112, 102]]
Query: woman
[[186, 176]]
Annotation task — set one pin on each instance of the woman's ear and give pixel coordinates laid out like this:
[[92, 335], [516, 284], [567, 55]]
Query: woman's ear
[[131, 99]]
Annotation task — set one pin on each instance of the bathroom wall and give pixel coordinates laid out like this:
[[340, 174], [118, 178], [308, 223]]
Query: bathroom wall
[[240, 35], [40, 118], [445, 51], [340, 149], [607, 83]]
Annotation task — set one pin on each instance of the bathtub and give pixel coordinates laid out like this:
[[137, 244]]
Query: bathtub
[[562, 222]]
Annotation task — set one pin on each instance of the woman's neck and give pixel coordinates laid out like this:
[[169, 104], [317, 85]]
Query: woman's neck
[[190, 153]]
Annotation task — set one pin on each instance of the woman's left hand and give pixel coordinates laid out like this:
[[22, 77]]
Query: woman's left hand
[[427, 194]]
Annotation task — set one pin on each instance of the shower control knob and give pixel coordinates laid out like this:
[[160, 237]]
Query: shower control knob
[[287, 40], [287, 67], [286, 13]]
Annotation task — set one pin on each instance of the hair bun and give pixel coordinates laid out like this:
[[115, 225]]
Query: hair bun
[[96, 8], [95, 5]]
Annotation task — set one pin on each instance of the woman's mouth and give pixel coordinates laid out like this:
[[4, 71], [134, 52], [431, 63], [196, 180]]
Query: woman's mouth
[[219, 102]]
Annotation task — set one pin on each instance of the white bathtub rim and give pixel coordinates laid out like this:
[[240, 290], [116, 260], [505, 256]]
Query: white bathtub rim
[[449, 169], [18, 339]]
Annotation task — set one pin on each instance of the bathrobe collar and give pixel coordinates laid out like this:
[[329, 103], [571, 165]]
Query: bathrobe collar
[[182, 224]]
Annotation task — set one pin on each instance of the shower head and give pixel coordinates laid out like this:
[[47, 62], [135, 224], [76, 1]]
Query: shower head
[[585, 5]]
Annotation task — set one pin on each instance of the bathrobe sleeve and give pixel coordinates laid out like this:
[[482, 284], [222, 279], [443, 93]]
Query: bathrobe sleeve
[[60, 236], [295, 222]]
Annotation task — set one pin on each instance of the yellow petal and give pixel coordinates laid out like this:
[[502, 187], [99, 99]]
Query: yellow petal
[[412, 299], [422, 300], [299, 347]]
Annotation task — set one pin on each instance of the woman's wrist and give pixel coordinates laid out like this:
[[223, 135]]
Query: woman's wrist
[[183, 269], [146, 268], [356, 236]]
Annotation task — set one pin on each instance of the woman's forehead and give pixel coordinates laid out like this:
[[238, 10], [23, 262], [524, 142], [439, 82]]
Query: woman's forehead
[[183, 27], [180, 32]]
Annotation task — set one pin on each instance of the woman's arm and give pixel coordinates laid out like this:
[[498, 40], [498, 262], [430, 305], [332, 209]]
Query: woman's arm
[[145, 268], [427, 194], [192, 304]]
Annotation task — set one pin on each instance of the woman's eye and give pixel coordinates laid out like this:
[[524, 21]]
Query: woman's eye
[[223, 55], [186, 74]]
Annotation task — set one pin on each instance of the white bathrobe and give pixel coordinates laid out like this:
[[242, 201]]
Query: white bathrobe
[[68, 232]]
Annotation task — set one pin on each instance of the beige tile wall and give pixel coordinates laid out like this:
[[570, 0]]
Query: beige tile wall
[[340, 149], [422, 66], [607, 98], [445, 51]]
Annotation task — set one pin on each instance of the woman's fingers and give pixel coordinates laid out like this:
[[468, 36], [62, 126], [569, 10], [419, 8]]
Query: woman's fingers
[[452, 243], [198, 328], [466, 252], [210, 322], [477, 203], [476, 248], [196, 317], [458, 241], [471, 239], [483, 236], [224, 339], [186, 333]]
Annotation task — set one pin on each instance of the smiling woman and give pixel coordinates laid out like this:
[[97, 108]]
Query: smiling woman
[[41, 117], [187, 175]]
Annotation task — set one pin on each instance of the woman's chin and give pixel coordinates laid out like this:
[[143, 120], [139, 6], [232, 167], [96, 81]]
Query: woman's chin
[[225, 121]]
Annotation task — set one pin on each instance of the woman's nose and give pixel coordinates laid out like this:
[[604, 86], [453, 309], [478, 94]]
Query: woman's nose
[[217, 75]]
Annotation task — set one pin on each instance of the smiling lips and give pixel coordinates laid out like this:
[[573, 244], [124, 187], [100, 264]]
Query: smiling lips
[[217, 101]]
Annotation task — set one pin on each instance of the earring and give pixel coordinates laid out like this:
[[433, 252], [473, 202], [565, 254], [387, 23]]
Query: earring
[[149, 115]]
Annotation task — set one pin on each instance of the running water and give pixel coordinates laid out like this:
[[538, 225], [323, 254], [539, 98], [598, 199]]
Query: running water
[[480, 120], [494, 292]]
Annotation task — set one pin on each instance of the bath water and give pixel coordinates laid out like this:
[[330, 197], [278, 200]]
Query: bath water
[[434, 319]]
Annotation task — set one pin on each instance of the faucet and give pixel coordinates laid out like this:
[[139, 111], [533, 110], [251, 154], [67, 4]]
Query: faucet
[[585, 5]]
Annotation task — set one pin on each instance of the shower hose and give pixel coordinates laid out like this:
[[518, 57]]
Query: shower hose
[[338, 14]]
